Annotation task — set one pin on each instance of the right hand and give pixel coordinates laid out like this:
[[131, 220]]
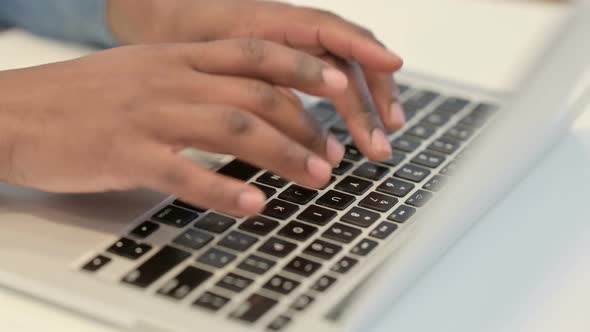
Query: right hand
[[116, 120]]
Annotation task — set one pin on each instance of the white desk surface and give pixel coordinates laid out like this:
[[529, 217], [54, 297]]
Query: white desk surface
[[525, 266]]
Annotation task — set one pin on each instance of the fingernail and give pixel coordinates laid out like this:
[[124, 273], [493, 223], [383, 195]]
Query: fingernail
[[380, 143], [251, 200], [334, 150], [334, 78], [318, 168], [398, 118]]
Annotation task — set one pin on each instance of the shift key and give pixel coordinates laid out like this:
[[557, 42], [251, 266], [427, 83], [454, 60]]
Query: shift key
[[156, 266]]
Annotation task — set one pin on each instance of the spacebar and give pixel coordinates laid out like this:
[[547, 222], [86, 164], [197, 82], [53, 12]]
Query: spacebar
[[156, 266]]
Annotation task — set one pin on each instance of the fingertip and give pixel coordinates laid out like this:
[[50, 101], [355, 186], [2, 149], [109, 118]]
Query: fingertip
[[251, 200], [335, 79]]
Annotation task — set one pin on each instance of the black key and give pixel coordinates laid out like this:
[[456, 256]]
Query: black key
[[268, 191], [344, 265], [422, 131], [281, 285], [238, 241], [322, 249], [402, 214], [335, 200], [211, 301], [383, 230], [256, 264], [409, 114], [353, 185], [419, 100], [378, 202], [156, 266], [371, 171], [317, 215], [419, 198], [428, 159], [352, 153], [279, 323], [128, 248], [280, 209], [254, 308], [405, 143], [184, 283], [396, 159], [186, 205], [436, 119], [444, 145], [234, 282], [302, 302], [360, 217], [272, 180], [277, 247], [459, 133], [240, 170], [259, 225], [96, 263], [412, 173], [450, 169], [364, 247], [216, 258], [215, 223], [193, 239], [298, 231], [323, 283], [435, 183], [144, 230], [341, 233], [297, 194], [175, 216], [396, 187], [484, 110], [302, 266], [452, 105], [344, 167], [473, 121], [332, 180]]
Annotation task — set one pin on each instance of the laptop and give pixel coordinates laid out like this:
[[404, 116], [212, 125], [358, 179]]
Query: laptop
[[331, 259]]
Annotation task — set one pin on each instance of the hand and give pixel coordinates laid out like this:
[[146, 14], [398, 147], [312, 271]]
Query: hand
[[116, 120], [316, 32]]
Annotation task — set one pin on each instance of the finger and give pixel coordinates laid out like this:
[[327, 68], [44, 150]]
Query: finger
[[386, 97], [267, 61]]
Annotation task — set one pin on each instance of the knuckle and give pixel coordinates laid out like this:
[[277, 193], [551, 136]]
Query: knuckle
[[264, 95], [239, 123], [253, 50], [290, 156], [307, 69]]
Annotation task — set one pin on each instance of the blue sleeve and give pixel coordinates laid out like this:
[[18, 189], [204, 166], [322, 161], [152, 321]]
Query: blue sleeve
[[81, 21]]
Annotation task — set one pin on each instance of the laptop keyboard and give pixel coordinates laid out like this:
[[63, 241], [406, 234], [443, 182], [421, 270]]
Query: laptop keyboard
[[305, 240]]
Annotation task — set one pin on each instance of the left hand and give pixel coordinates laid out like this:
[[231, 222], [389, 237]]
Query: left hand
[[320, 33]]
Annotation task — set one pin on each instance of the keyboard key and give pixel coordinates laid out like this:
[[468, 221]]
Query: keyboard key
[[484, 110], [419, 198], [371, 171], [302, 266], [254, 308], [234, 282], [419, 100], [156, 266], [344, 167], [335, 200], [193, 239], [360, 217], [298, 195], [188, 206], [317, 215], [144, 230], [298, 231], [405, 144], [435, 183], [216, 258], [277, 247], [211, 301], [396, 187], [96, 263], [383, 230], [240, 170], [281, 285], [344, 265], [279, 323], [412, 173], [422, 131], [280, 209], [175, 216], [378, 202], [364, 247], [352, 153], [452, 105], [450, 169], [459, 133], [215, 223], [238, 241], [353, 185], [259, 225], [184, 283], [396, 159], [302, 302], [324, 283], [436, 119], [322, 249], [256, 264], [268, 191], [332, 180], [473, 121], [341, 233], [444, 145], [402, 214], [428, 159], [128, 248], [272, 180]]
